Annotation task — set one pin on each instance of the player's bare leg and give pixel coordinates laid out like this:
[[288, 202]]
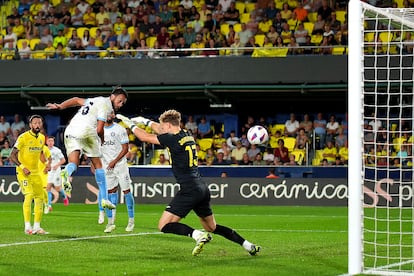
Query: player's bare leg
[[101, 181]]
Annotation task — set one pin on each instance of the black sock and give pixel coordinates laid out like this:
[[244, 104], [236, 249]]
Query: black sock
[[178, 229], [229, 234]]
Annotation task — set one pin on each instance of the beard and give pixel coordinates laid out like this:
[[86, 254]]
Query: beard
[[36, 130]]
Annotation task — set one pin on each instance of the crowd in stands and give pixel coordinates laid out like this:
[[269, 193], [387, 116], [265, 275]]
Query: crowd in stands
[[320, 140], [134, 28]]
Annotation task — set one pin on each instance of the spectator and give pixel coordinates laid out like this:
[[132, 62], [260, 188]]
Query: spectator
[[300, 34], [318, 26], [76, 18], [278, 22], [4, 125], [307, 125], [57, 26], [18, 124], [319, 125], [325, 11], [232, 140], [218, 140], [268, 156], [5, 153], [301, 139], [281, 153], [191, 125], [238, 152], [291, 126], [330, 152], [301, 12], [286, 13], [92, 49], [210, 156], [245, 161], [10, 39], [162, 160], [252, 152], [292, 161], [343, 153], [340, 138], [244, 35], [219, 160], [225, 150], [258, 160], [272, 173], [3, 139], [331, 129], [204, 129], [25, 52], [271, 10]]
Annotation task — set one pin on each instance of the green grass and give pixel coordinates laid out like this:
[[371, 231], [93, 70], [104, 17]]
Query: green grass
[[294, 240]]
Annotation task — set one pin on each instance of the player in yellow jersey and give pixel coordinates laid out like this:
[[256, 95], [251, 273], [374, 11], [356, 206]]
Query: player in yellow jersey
[[26, 155]]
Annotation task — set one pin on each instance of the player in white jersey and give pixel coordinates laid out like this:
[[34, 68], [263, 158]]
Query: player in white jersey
[[53, 177], [115, 163], [85, 135]]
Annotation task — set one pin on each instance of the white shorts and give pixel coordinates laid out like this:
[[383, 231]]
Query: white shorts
[[54, 177], [90, 146], [118, 176]]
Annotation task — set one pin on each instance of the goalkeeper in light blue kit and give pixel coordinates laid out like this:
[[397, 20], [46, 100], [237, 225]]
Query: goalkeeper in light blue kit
[[115, 164], [85, 135]]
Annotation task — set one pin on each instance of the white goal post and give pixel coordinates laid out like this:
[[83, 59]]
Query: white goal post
[[381, 136]]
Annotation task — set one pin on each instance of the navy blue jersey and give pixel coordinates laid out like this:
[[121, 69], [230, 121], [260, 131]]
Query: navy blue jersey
[[183, 153]]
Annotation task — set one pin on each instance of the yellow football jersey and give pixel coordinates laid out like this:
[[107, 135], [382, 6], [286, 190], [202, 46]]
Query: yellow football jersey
[[30, 146]]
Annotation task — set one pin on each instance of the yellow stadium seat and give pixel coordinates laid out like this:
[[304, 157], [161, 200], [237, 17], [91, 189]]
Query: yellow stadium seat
[[92, 31], [338, 51], [312, 16], [244, 17], [259, 38], [316, 39], [273, 142], [20, 43], [341, 16], [369, 37], [299, 155], [237, 27], [290, 143], [240, 6], [80, 31], [250, 6], [280, 127], [151, 41], [205, 143], [33, 42], [69, 31], [39, 55], [224, 28], [309, 27]]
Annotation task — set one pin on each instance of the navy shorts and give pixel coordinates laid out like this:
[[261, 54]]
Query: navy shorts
[[195, 197]]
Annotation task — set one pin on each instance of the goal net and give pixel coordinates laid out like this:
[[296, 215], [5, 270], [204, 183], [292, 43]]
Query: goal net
[[380, 174]]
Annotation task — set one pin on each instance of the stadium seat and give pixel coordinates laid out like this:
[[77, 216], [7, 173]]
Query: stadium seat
[[273, 142], [276, 127], [69, 31], [316, 39], [80, 31], [308, 26], [312, 16], [92, 31], [240, 6], [250, 6], [338, 51], [341, 16], [20, 43], [33, 42], [299, 155], [151, 41], [259, 38], [290, 143], [244, 17], [224, 29], [237, 27], [369, 37], [205, 143]]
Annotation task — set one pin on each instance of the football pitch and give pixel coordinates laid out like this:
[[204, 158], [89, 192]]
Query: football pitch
[[294, 240]]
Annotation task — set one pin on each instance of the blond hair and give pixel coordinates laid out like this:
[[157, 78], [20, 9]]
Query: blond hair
[[171, 116]]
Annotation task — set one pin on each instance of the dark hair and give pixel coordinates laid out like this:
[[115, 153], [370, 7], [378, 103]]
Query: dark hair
[[34, 117], [119, 90]]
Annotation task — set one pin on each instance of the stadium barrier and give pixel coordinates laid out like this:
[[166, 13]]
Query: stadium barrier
[[247, 186]]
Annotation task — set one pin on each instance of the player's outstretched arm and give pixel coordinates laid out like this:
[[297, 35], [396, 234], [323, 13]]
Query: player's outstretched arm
[[75, 101], [141, 134]]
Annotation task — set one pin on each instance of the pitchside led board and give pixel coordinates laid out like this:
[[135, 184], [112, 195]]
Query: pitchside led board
[[238, 191]]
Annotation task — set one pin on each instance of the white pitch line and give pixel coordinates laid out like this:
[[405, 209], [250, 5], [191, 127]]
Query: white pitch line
[[79, 239]]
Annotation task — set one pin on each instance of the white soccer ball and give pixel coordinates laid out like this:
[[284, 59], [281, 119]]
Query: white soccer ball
[[257, 135]]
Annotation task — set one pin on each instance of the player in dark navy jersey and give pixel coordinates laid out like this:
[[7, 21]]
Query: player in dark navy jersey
[[194, 193]]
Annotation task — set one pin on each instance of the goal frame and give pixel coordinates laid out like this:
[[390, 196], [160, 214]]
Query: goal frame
[[355, 138]]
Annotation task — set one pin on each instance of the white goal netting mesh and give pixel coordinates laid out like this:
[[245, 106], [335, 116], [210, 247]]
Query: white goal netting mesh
[[388, 80]]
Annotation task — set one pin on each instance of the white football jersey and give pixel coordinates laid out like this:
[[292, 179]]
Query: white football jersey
[[84, 123], [115, 137], [56, 155]]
